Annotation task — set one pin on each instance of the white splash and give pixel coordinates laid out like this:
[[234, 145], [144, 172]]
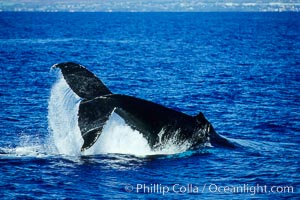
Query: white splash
[[117, 137], [62, 118], [28, 146]]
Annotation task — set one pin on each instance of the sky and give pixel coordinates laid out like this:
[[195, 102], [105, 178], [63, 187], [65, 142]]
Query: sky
[[149, 5]]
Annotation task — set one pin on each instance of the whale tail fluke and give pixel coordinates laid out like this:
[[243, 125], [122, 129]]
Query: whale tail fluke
[[98, 103], [83, 82]]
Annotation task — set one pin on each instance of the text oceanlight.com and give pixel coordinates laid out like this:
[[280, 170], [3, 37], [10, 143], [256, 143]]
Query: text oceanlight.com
[[206, 188]]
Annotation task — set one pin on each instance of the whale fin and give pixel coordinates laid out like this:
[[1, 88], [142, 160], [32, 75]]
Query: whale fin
[[83, 82], [91, 119]]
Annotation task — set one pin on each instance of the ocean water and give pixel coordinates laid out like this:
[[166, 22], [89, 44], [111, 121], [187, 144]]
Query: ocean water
[[242, 70]]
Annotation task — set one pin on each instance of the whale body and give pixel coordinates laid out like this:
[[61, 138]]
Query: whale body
[[155, 122]]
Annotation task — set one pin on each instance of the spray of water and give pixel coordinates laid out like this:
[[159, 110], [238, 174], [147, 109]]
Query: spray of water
[[62, 119]]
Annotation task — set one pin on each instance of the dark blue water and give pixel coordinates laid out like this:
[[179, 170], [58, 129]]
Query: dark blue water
[[242, 70]]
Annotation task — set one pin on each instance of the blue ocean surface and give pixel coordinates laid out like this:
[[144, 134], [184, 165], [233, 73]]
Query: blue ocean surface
[[242, 70]]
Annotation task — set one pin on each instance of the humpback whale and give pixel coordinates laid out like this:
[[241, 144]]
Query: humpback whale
[[155, 122]]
